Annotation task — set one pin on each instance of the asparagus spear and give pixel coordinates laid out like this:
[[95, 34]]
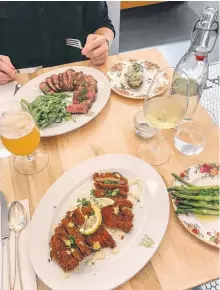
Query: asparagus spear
[[198, 211], [177, 177], [214, 188], [196, 197], [191, 193], [201, 204]]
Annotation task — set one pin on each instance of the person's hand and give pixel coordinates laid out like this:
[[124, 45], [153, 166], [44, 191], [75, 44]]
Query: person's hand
[[96, 49], [7, 70]]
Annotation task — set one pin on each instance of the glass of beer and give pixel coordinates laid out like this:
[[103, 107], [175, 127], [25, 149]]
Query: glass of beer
[[164, 110], [21, 136]]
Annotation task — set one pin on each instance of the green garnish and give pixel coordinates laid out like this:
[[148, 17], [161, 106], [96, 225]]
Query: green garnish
[[82, 202], [110, 182], [92, 192], [48, 109], [72, 241], [113, 192], [91, 213]]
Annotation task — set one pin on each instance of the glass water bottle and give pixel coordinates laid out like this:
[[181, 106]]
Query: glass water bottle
[[195, 62]]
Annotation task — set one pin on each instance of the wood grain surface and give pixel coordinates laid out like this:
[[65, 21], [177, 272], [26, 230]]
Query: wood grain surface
[[182, 261]]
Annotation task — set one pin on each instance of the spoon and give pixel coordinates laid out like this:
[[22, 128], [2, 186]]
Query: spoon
[[17, 221]]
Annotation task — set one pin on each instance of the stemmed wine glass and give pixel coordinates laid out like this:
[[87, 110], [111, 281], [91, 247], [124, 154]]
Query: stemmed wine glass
[[21, 136], [165, 110]]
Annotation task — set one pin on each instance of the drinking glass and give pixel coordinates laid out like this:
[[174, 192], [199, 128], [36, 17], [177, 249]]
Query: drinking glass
[[21, 136], [191, 136], [164, 108]]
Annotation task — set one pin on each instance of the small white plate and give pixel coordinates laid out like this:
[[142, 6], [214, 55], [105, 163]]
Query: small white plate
[[31, 90], [116, 76], [137, 247]]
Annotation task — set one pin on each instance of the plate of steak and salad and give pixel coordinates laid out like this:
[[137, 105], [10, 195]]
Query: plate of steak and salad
[[65, 99]]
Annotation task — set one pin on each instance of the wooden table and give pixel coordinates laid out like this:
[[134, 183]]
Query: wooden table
[[182, 261]]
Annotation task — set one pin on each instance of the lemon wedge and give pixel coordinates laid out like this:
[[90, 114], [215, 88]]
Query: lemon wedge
[[103, 202], [93, 222]]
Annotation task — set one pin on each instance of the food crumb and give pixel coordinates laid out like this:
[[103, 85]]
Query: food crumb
[[122, 237], [49, 260], [55, 207]]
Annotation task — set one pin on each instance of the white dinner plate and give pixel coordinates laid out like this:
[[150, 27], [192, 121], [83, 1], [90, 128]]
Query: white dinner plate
[[151, 216], [31, 90]]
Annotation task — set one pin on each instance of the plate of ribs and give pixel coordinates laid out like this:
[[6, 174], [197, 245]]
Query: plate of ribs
[[88, 90], [106, 214]]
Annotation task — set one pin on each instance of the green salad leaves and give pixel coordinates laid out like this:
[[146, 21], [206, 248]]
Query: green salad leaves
[[48, 109]]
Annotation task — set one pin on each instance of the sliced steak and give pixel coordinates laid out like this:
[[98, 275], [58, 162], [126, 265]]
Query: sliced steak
[[50, 83], [60, 78], [55, 80], [70, 77], [65, 82], [79, 76], [45, 88], [81, 108]]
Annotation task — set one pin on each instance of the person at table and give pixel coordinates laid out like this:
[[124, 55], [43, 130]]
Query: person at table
[[33, 34]]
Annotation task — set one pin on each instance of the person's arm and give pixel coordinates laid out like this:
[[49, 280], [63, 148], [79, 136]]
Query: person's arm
[[100, 32]]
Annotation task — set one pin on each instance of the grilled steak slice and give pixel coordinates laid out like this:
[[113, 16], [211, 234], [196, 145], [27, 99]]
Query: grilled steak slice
[[70, 76], [45, 88], [79, 76], [50, 83], [81, 108], [90, 80], [60, 78], [55, 80], [65, 81]]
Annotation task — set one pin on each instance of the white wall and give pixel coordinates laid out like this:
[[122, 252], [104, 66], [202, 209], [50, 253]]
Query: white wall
[[114, 14]]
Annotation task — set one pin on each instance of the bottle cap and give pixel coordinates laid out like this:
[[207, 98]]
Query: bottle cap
[[201, 53]]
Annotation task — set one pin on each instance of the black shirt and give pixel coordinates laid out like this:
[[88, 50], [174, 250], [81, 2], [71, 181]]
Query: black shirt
[[33, 33]]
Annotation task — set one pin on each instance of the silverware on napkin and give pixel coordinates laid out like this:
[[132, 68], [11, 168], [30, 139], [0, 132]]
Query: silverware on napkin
[[5, 238], [17, 219]]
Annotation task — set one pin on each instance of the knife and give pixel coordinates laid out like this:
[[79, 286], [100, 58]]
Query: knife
[[5, 236]]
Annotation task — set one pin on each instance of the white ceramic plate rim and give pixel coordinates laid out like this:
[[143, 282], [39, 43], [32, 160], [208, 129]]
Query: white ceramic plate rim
[[30, 90], [40, 224]]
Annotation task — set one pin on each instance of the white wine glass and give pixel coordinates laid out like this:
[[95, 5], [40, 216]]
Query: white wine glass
[[164, 111], [21, 136]]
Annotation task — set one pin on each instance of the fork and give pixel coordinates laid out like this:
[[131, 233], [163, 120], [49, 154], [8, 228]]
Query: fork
[[74, 43]]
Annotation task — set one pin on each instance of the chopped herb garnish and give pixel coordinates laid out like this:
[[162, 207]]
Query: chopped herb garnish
[[72, 241], [110, 182], [82, 99], [83, 202], [112, 192], [91, 213], [92, 192]]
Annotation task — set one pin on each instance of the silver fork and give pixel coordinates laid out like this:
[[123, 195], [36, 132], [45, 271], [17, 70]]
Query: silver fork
[[74, 43]]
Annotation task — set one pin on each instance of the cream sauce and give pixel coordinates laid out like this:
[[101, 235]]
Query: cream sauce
[[135, 195], [116, 250], [100, 255]]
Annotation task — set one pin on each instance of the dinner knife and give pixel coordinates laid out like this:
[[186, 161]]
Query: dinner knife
[[5, 237]]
